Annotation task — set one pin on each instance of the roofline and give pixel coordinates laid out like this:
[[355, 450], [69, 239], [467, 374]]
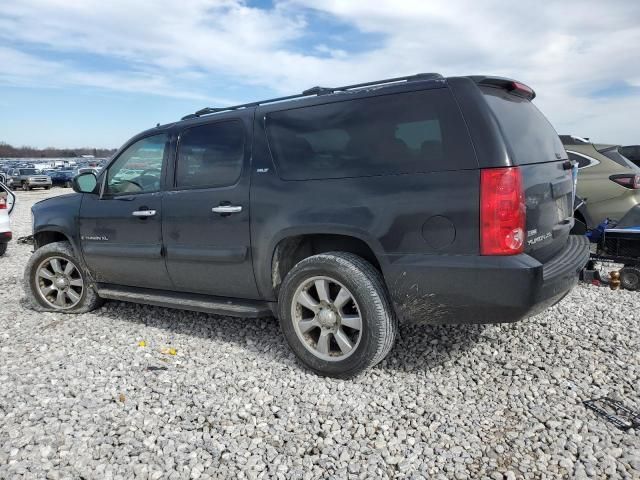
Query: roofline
[[315, 91]]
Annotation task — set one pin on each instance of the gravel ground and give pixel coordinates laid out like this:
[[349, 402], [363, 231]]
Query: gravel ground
[[82, 398]]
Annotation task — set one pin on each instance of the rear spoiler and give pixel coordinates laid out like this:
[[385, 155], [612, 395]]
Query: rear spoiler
[[509, 84], [606, 148]]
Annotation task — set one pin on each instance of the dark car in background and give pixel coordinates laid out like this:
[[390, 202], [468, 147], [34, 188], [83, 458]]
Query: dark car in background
[[62, 178], [340, 210]]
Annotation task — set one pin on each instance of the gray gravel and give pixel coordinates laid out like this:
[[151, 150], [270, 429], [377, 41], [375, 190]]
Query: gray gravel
[[81, 398]]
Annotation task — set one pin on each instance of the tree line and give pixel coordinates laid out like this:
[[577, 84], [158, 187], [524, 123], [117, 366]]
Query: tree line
[[7, 150]]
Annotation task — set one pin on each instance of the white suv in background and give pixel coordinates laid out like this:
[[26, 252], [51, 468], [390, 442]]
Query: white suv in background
[[7, 201]]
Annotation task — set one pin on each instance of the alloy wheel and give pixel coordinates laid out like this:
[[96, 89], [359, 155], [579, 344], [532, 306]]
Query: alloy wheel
[[59, 282], [326, 318]]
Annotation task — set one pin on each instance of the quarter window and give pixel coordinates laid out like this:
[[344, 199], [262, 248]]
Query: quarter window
[[410, 132], [210, 155], [583, 160], [139, 168]]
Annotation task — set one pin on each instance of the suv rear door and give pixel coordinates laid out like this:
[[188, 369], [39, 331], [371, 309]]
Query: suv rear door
[[120, 228], [206, 210], [547, 174]]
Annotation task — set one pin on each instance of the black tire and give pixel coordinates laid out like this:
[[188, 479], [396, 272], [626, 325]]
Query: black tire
[[89, 299], [367, 288], [25, 187], [630, 278], [67, 184], [47, 188], [3, 249]]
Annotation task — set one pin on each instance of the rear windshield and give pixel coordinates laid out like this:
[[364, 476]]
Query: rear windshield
[[411, 132], [620, 159], [527, 132]]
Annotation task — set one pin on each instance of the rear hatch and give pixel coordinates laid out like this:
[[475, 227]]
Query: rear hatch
[[547, 174]]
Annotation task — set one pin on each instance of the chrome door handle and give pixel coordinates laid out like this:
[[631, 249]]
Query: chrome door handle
[[227, 209], [143, 213]]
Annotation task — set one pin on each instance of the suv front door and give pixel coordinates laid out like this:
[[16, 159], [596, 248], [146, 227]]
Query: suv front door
[[120, 229], [206, 212]]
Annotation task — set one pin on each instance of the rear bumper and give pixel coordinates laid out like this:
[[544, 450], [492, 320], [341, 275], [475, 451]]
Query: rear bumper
[[631, 218], [436, 289]]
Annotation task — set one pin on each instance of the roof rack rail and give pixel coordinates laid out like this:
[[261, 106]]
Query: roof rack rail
[[315, 91]]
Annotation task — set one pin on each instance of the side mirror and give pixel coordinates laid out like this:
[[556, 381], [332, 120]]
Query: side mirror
[[85, 182]]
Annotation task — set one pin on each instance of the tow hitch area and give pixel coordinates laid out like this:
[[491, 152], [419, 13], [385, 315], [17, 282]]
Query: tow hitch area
[[615, 412]]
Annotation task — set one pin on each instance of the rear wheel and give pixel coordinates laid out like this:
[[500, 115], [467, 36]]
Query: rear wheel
[[54, 281], [336, 315], [630, 278], [3, 249]]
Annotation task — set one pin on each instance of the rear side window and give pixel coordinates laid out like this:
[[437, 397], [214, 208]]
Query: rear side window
[[527, 132], [584, 161], [390, 134], [210, 155]]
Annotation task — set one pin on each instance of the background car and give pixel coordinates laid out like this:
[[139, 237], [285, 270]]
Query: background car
[[62, 178], [608, 184], [7, 201], [632, 152], [28, 178]]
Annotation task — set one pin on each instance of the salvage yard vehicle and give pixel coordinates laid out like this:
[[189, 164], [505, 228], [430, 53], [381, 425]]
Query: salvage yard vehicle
[[28, 178], [338, 210], [62, 178], [7, 202], [608, 184]]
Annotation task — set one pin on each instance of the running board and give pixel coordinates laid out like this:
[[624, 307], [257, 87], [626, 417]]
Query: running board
[[186, 301]]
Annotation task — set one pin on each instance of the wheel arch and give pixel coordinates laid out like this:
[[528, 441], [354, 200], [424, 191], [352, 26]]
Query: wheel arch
[[294, 247], [50, 234]]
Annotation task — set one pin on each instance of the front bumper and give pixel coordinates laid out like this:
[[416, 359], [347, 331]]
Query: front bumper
[[437, 289], [38, 183]]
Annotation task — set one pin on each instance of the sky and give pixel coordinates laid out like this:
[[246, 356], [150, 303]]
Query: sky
[[94, 73]]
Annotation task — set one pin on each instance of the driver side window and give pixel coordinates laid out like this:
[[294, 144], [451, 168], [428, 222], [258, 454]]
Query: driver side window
[[139, 168]]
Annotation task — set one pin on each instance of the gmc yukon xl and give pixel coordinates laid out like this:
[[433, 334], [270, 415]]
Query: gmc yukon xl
[[341, 211]]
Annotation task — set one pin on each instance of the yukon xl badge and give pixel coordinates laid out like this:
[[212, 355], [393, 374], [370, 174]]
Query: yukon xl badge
[[539, 238], [100, 238]]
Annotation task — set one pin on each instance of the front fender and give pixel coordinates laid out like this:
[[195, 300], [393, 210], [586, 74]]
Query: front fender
[[59, 215]]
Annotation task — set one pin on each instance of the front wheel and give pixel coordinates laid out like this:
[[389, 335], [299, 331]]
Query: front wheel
[[25, 187], [55, 282], [335, 314]]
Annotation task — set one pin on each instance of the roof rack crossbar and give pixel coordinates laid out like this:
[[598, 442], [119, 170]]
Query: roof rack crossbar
[[315, 91]]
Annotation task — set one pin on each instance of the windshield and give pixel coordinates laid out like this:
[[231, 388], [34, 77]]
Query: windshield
[[527, 131], [28, 171]]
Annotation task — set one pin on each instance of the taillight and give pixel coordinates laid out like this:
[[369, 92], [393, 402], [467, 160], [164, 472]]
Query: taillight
[[502, 211], [3, 203], [627, 180]]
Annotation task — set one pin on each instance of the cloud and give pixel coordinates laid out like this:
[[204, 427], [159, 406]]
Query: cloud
[[570, 52]]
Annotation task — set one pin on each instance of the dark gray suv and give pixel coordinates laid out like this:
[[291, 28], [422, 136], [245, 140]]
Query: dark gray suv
[[340, 210]]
